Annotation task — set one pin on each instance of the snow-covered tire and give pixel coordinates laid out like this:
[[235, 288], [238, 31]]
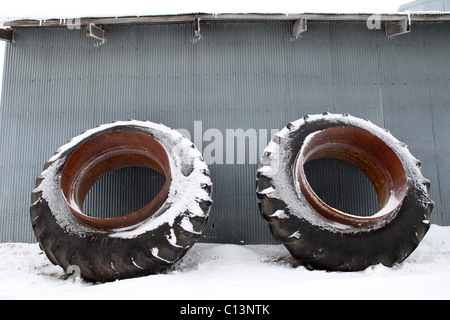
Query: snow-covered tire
[[321, 237], [144, 242]]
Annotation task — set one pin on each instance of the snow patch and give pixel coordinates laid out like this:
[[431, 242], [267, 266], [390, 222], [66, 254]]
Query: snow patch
[[218, 271], [296, 235], [280, 214], [155, 253]]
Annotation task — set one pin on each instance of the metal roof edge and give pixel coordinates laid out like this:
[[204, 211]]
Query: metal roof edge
[[412, 16]]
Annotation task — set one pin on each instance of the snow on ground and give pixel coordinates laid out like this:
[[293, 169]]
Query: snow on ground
[[234, 272]]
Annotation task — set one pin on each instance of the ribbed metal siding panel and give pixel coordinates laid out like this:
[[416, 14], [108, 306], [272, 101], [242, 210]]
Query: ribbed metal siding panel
[[249, 75], [351, 190], [134, 187]]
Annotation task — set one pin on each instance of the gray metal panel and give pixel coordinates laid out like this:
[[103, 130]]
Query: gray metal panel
[[351, 191], [134, 187], [248, 75]]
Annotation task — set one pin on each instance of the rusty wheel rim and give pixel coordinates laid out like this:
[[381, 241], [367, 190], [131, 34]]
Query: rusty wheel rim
[[368, 153], [103, 154]]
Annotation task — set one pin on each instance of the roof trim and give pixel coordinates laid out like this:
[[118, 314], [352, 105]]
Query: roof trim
[[416, 17]]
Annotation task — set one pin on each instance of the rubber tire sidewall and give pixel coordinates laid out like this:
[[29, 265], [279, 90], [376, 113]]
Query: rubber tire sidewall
[[346, 249], [103, 255]]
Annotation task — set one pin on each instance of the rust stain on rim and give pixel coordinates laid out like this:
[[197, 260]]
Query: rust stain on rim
[[103, 154], [368, 153]]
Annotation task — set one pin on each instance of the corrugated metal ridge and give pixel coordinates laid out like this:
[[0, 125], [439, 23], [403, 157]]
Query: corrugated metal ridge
[[415, 17]]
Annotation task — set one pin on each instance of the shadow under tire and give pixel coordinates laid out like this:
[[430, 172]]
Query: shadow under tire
[[322, 237], [144, 242]]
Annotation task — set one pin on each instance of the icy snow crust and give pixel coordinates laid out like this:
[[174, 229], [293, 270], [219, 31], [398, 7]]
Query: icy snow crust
[[273, 168], [247, 272], [184, 193]]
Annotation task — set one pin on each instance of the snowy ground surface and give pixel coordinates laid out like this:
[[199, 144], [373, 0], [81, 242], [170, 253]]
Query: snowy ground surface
[[220, 271]]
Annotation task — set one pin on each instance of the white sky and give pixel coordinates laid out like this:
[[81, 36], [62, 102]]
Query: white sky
[[83, 8]]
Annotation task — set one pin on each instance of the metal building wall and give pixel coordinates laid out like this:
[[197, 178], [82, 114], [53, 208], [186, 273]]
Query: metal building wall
[[249, 75]]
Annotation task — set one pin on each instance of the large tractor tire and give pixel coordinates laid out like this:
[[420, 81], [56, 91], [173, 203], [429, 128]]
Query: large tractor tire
[[322, 237], [144, 242]]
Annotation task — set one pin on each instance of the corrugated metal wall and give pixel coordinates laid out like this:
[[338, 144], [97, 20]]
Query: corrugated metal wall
[[249, 75]]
